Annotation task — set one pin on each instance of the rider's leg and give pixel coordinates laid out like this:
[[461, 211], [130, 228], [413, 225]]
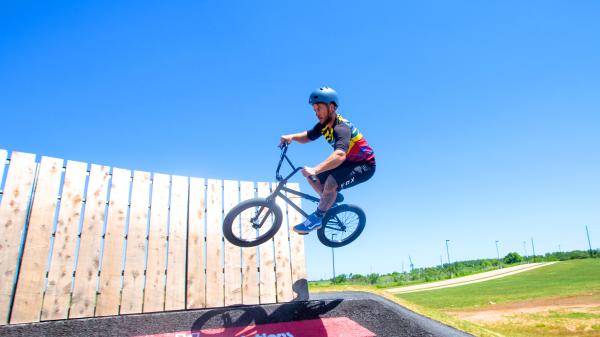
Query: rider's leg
[[329, 194], [348, 175], [316, 185], [314, 220]]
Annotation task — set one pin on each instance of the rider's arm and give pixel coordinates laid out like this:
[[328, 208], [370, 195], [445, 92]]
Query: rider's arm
[[342, 136], [304, 136], [335, 159], [300, 137]]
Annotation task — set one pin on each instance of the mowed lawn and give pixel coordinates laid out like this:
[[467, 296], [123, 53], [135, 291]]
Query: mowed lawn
[[562, 299], [561, 279]]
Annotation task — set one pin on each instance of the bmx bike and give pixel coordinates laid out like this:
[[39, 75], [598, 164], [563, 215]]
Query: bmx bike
[[259, 219]]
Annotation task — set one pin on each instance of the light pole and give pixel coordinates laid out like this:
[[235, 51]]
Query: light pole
[[589, 242], [498, 255], [533, 249], [333, 257], [448, 251], [497, 251]]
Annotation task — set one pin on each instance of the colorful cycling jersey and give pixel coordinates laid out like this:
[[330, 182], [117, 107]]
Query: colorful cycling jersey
[[343, 135]]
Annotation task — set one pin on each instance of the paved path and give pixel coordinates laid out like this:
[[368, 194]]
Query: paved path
[[490, 275]]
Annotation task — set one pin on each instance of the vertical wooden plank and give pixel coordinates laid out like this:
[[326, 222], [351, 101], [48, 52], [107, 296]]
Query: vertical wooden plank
[[283, 270], [30, 287], [214, 241], [133, 276], [175, 299], [3, 156], [298, 260], [88, 261], [154, 293], [233, 254], [13, 211], [250, 275], [58, 292], [267, 261], [109, 286], [196, 287]]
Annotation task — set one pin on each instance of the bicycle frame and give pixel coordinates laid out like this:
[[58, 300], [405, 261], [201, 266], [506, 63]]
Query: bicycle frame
[[282, 181], [349, 225]]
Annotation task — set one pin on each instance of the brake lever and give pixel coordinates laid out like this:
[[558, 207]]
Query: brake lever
[[313, 178]]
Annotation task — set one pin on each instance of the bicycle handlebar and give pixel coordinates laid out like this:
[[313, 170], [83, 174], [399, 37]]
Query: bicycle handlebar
[[284, 147]]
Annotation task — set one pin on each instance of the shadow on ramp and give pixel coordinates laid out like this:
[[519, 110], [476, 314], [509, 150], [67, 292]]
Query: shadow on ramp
[[246, 321], [348, 314]]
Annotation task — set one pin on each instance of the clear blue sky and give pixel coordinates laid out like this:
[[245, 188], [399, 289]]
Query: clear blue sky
[[484, 116]]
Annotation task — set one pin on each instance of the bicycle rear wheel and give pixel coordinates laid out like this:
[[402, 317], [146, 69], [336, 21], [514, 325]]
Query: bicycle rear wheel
[[342, 225], [252, 222]]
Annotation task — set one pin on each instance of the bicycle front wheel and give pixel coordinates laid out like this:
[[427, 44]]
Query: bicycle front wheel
[[252, 222], [342, 225]]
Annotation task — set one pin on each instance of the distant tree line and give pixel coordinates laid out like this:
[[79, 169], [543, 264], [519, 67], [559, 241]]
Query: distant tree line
[[455, 269]]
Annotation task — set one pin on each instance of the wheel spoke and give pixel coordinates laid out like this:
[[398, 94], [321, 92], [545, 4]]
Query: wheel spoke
[[262, 222], [337, 229], [244, 225], [341, 226], [263, 229]]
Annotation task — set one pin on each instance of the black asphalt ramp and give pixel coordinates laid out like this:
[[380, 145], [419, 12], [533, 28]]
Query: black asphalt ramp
[[348, 314], [388, 318]]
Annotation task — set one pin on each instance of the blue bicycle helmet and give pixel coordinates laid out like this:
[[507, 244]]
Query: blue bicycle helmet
[[324, 95]]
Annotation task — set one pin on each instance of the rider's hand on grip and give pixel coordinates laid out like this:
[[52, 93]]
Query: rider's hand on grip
[[285, 140]]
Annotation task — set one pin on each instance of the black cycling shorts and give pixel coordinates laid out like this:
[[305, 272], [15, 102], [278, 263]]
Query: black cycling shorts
[[349, 174]]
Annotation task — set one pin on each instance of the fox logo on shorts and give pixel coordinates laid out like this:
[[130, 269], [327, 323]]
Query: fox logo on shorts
[[348, 182]]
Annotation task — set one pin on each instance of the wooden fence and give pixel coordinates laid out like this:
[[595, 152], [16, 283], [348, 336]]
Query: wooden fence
[[79, 240]]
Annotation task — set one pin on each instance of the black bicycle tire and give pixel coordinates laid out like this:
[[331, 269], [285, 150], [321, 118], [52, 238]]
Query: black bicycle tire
[[244, 205], [362, 220]]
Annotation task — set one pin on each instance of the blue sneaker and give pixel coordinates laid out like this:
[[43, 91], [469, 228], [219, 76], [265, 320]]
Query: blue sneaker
[[310, 224]]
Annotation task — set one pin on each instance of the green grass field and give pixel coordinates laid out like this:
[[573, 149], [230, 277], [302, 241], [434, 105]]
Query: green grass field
[[569, 279], [558, 280]]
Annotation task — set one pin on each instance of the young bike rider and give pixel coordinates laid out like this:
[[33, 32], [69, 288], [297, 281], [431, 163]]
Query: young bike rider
[[352, 161]]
